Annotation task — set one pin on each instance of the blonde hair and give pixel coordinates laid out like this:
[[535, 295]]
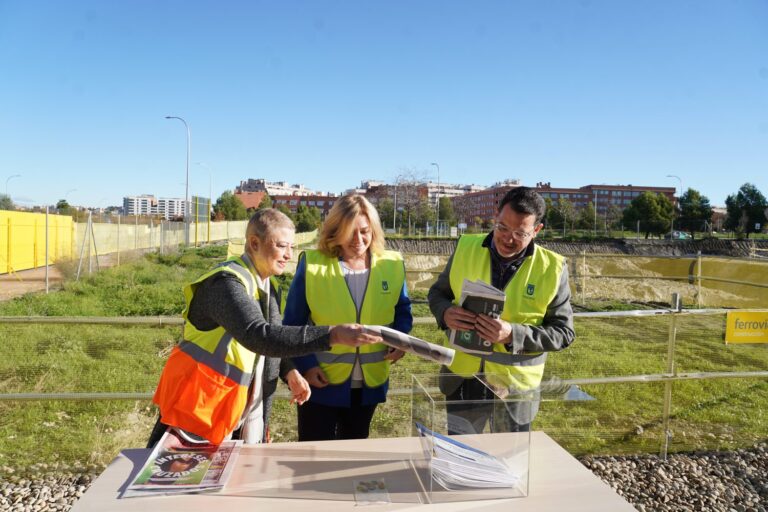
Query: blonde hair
[[263, 222], [337, 228]]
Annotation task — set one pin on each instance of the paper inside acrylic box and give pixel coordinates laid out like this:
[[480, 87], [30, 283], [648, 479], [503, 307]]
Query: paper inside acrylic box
[[177, 465], [456, 465], [480, 298]]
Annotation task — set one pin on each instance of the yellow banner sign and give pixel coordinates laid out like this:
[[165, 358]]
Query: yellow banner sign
[[746, 327]]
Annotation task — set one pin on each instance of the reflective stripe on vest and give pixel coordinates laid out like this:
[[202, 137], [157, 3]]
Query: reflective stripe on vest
[[330, 303], [204, 385], [528, 294]]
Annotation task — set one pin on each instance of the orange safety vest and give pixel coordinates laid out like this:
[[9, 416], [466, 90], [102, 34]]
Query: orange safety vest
[[204, 386]]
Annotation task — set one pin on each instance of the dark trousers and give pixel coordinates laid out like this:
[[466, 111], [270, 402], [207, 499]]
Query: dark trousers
[[319, 422], [472, 417]]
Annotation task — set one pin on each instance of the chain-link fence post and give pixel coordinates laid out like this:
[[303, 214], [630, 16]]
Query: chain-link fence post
[[698, 279], [583, 277], [676, 306]]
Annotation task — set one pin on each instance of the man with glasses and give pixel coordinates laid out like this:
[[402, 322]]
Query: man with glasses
[[537, 317]]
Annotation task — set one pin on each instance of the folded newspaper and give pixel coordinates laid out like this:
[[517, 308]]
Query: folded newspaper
[[457, 465], [177, 466], [481, 298], [414, 345]]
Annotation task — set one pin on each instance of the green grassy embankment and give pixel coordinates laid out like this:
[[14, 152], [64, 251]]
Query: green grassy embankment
[[624, 418]]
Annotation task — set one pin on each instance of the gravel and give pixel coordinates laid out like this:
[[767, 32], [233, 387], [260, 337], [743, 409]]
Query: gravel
[[734, 481]]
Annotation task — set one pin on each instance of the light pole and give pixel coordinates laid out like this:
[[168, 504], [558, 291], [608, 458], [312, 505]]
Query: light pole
[[437, 220], [186, 189], [672, 227], [9, 178], [595, 205]]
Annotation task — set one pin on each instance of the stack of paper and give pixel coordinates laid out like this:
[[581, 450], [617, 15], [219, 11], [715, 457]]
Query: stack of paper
[[456, 465]]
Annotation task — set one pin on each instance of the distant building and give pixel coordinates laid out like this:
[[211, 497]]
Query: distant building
[[170, 208], [292, 202], [167, 208], [602, 196], [139, 205], [273, 188], [251, 200], [482, 204]]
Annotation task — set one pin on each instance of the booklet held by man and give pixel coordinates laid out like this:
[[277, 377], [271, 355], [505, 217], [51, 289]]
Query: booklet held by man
[[178, 466], [481, 298]]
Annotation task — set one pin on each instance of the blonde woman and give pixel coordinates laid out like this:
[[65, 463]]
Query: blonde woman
[[351, 277]]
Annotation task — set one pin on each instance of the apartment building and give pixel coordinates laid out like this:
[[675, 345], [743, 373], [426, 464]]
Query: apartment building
[[139, 205], [322, 202], [273, 188], [482, 204], [602, 196]]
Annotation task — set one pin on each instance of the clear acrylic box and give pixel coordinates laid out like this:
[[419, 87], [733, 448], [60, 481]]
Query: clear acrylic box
[[469, 449]]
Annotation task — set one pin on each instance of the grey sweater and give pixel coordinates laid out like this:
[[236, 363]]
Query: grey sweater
[[222, 300]]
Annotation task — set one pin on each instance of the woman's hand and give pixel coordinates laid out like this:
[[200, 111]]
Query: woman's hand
[[316, 377], [352, 335], [299, 387], [394, 355]]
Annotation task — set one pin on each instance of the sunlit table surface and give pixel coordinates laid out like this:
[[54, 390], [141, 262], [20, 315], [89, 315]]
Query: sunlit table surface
[[320, 476]]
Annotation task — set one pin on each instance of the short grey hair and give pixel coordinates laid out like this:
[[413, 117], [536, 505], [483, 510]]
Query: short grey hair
[[263, 222]]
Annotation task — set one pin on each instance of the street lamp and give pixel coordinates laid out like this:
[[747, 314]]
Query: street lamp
[[9, 179], [186, 190], [437, 221], [678, 197]]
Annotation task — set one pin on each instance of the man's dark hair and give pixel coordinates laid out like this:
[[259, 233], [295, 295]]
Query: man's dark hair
[[526, 201]]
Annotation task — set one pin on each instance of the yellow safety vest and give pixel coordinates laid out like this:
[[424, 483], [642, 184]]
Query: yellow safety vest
[[330, 303], [528, 294], [204, 385]]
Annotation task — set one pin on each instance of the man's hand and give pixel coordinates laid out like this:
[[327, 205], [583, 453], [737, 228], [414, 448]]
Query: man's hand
[[494, 330], [458, 318], [394, 355], [352, 335], [299, 387], [316, 377]]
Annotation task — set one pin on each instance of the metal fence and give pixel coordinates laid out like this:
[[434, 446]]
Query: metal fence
[[701, 280], [663, 380]]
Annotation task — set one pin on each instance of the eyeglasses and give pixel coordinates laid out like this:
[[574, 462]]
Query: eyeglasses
[[520, 236]]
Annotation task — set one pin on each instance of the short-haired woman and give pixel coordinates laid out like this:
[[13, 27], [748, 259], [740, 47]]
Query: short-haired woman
[[213, 380], [349, 278]]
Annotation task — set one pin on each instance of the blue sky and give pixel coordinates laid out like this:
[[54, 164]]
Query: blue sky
[[328, 93]]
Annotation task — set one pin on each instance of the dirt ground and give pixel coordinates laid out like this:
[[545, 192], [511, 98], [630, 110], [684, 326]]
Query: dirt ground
[[17, 284]]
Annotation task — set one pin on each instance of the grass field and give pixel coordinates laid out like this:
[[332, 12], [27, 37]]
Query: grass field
[[624, 418]]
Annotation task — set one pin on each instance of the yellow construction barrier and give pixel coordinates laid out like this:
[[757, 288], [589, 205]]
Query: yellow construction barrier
[[22, 240]]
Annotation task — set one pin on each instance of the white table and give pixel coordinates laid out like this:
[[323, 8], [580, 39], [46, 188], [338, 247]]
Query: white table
[[318, 477]]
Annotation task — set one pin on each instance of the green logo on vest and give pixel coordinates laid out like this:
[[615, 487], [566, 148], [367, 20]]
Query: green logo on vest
[[385, 286], [530, 289]]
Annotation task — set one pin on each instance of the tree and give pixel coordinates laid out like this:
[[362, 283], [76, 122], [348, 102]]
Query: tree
[[307, 219], [6, 203], [695, 211], [613, 216], [385, 207], [745, 209], [446, 211], [284, 209], [230, 207], [62, 206], [266, 202], [425, 213], [586, 218], [654, 211], [562, 214]]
